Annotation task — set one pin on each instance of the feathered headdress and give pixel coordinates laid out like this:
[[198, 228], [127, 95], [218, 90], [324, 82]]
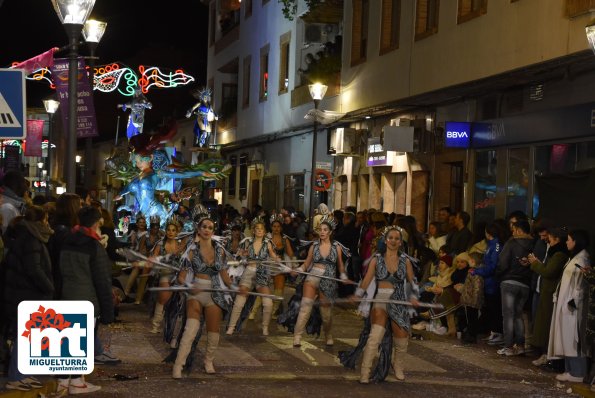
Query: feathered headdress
[[277, 218], [392, 228], [256, 221], [174, 219], [329, 220], [155, 219], [199, 213]]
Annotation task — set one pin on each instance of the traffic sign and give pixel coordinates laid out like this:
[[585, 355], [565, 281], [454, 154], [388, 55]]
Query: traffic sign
[[13, 108], [323, 180]]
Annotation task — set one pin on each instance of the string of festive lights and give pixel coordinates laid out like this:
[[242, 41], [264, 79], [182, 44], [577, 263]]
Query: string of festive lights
[[111, 77]]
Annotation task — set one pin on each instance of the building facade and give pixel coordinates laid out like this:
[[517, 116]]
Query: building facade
[[518, 73]]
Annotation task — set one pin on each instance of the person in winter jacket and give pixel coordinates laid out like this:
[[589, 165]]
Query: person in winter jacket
[[14, 186], [515, 287], [550, 272], [86, 275], [28, 277], [492, 311]]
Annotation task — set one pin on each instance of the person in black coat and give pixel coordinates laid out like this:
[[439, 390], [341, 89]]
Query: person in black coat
[[28, 277]]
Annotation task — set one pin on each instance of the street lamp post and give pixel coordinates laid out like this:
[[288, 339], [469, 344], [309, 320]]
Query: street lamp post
[[40, 165], [92, 32], [72, 14], [317, 91], [51, 106]]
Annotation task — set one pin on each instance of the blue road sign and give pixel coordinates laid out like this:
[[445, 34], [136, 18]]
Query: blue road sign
[[13, 108]]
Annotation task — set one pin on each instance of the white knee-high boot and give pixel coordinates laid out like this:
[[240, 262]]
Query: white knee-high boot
[[255, 308], [277, 303], [370, 352], [140, 289], [302, 320], [327, 322], [131, 280], [267, 311], [157, 318], [400, 345], [212, 344], [238, 305], [192, 326]]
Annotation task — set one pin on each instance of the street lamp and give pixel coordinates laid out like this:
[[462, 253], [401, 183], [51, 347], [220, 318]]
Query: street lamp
[[51, 106], [72, 14], [92, 32], [317, 91]]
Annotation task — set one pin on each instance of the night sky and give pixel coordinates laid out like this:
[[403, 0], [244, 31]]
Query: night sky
[[172, 34]]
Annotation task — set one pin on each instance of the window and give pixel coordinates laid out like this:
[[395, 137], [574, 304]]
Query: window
[[247, 8], [229, 103], [246, 83], [231, 189], [456, 185], [484, 208], [470, 9], [359, 31], [229, 16], [518, 180], [575, 8], [284, 63], [264, 73], [270, 190], [243, 175], [391, 23], [293, 192], [426, 18]]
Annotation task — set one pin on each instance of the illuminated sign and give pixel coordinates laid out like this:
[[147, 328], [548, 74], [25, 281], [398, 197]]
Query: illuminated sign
[[457, 135], [377, 156]]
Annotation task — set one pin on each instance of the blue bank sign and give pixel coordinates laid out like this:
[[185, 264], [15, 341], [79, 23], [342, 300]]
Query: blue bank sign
[[12, 104], [458, 134]]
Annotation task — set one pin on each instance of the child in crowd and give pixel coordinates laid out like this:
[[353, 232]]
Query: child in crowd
[[434, 290], [471, 300]]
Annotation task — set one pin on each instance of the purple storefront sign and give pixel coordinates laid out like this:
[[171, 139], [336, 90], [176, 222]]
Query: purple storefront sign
[[86, 125], [377, 156]]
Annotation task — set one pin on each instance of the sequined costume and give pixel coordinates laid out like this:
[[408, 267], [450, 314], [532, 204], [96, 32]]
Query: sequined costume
[[256, 273], [398, 313], [199, 267], [167, 274], [327, 286]]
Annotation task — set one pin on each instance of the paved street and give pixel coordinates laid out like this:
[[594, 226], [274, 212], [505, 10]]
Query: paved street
[[249, 364], [252, 365]]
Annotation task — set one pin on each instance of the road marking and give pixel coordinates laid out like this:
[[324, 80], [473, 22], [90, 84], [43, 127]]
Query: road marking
[[489, 361], [227, 354], [307, 353], [131, 349]]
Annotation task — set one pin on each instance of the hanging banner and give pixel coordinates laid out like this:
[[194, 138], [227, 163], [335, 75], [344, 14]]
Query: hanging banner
[[86, 125], [34, 137], [12, 158]]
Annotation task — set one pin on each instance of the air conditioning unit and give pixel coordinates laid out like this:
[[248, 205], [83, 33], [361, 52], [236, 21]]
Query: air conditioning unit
[[343, 142]]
